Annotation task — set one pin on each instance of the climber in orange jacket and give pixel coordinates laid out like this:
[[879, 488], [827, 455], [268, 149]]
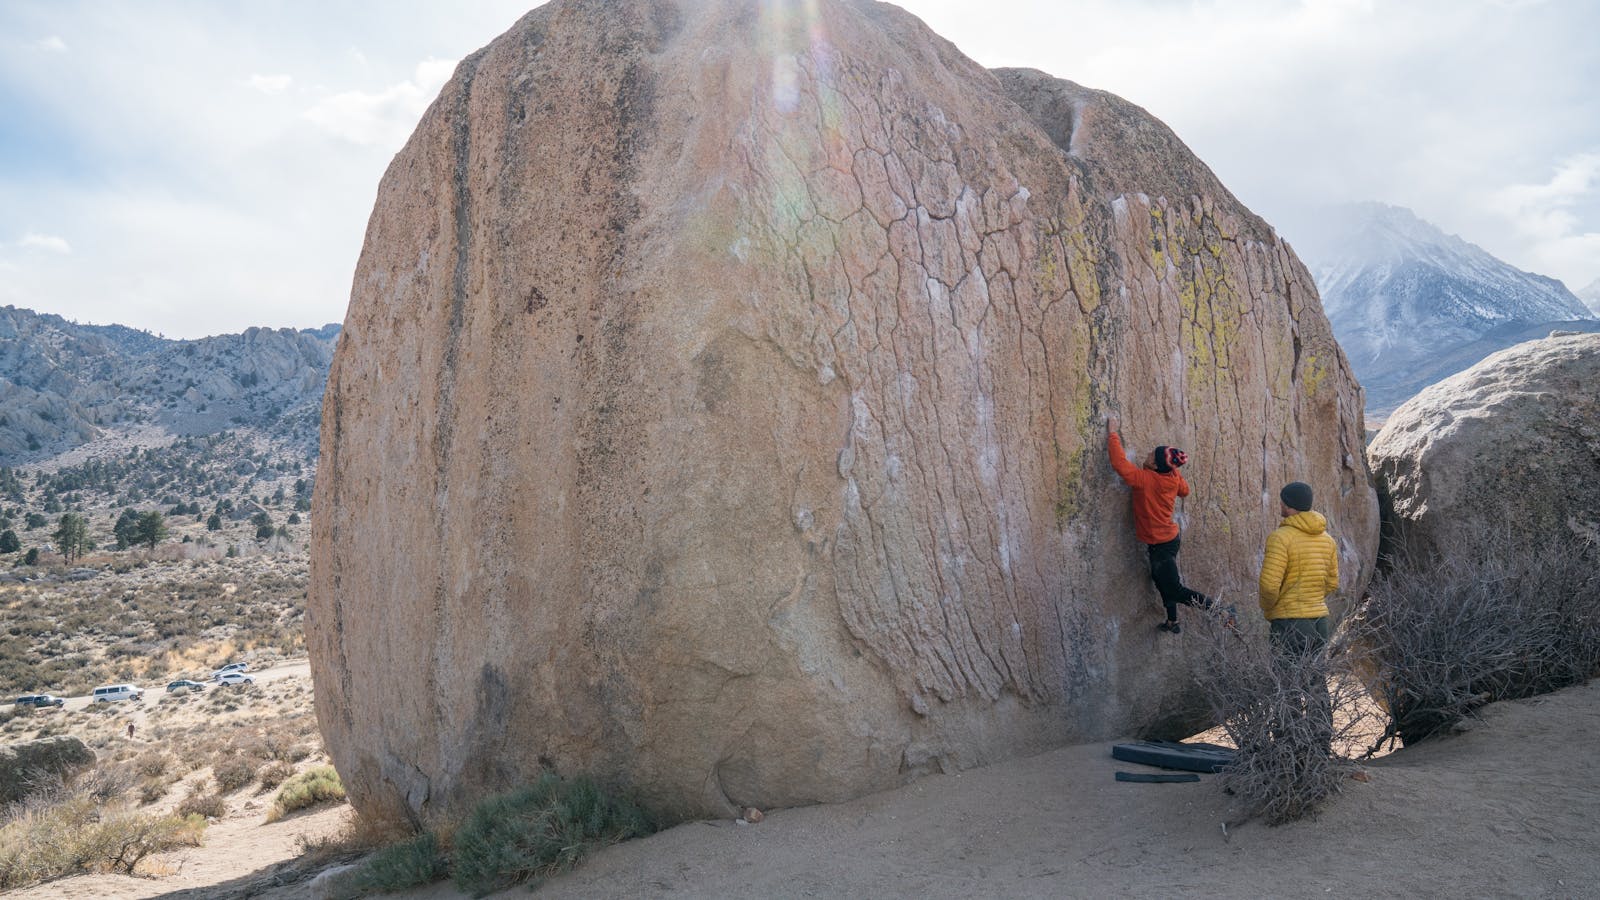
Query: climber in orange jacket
[[1156, 489]]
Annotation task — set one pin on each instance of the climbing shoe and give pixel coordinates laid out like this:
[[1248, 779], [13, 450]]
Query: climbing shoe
[[1171, 627]]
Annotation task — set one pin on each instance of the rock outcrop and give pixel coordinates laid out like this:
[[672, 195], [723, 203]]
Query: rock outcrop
[[33, 764], [720, 411], [62, 383], [1508, 449]]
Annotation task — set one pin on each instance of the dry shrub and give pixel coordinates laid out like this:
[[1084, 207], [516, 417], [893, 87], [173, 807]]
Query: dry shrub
[[69, 831], [1270, 703], [274, 774], [233, 773], [153, 789], [203, 804], [360, 835], [153, 763], [106, 783], [1440, 637]]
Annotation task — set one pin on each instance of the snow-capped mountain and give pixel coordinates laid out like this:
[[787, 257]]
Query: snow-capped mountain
[[1591, 296], [1402, 295]]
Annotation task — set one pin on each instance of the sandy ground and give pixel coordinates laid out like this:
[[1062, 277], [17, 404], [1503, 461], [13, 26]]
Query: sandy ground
[[1511, 808]]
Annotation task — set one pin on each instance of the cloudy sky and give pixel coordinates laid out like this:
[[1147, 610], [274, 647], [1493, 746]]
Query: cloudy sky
[[194, 167]]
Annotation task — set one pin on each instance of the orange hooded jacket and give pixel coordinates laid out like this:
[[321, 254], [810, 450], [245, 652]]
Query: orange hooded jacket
[[1154, 495]]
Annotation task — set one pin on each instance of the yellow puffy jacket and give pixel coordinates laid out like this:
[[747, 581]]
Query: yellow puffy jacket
[[1300, 569]]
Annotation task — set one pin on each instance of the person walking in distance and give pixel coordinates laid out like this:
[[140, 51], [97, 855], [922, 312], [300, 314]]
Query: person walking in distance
[[1298, 571], [1156, 487]]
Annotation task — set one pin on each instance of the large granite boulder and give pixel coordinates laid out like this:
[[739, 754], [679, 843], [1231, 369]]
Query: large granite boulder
[[30, 765], [720, 411], [1507, 451]]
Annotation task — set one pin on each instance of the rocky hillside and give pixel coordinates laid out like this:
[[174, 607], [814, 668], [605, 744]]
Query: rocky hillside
[[1591, 296], [1403, 296], [63, 384]]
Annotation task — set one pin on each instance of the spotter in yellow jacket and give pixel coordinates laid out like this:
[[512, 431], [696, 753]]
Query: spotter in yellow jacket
[[1301, 565]]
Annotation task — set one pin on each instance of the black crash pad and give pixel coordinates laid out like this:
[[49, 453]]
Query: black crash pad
[[1163, 778], [1196, 757]]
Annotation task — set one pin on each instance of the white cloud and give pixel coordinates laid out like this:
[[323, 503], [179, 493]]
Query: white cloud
[[1546, 219], [53, 43], [387, 117], [270, 84], [1544, 209], [35, 241]]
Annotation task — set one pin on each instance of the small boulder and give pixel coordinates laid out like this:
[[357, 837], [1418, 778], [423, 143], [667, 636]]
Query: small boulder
[[1509, 447], [337, 883], [25, 766]]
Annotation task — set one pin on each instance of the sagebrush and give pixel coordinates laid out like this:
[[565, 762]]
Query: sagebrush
[[419, 860], [1438, 637], [539, 830], [311, 787], [71, 831]]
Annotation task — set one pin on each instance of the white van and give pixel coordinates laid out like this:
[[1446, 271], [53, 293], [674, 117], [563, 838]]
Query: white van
[[111, 693]]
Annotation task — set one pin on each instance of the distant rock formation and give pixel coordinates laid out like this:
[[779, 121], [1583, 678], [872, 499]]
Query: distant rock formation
[[61, 382], [30, 765], [1411, 304], [1510, 447], [720, 411]]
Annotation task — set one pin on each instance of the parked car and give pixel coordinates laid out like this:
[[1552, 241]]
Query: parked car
[[230, 667], [111, 693], [39, 701], [233, 678], [185, 686]]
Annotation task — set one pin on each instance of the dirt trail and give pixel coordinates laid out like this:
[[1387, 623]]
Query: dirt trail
[[1510, 808]]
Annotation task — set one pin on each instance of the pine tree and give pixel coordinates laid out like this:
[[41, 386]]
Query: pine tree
[[126, 529], [72, 536], [152, 528]]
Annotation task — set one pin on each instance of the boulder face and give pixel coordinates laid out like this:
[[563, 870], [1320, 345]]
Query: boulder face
[[720, 406], [1509, 448]]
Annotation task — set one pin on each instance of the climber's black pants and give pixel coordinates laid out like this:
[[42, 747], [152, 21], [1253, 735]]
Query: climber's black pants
[[1164, 572]]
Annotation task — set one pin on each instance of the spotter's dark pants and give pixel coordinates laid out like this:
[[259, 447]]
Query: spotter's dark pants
[[1302, 647]]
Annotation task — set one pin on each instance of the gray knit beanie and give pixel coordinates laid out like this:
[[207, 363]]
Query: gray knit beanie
[[1296, 495]]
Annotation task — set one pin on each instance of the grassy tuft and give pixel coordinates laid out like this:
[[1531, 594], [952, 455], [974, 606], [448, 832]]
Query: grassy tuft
[[538, 831], [410, 863], [309, 788]]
